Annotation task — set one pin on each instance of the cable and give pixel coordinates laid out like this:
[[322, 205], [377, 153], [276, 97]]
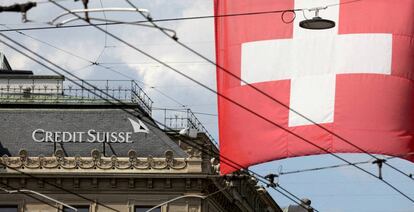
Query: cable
[[155, 20], [323, 168], [70, 53], [259, 90], [234, 102], [56, 186], [188, 142], [340, 165], [166, 19], [93, 63], [47, 1], [342, 3], [183, 110], [106, 28], [168, 97], [263, 92], [32, 196], [150, 63], [50, 45], [226, 162], [30, 175]]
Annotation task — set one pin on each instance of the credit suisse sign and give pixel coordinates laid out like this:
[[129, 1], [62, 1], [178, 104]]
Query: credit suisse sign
[[90, 136]]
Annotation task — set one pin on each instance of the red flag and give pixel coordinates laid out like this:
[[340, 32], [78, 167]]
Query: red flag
[[354, 80]]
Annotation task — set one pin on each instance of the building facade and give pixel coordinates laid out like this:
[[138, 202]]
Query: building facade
[[85, 149]]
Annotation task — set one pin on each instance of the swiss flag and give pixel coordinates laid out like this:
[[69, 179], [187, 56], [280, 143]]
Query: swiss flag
[[354, 80]]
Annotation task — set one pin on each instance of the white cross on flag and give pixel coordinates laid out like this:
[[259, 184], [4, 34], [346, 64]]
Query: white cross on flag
[[354, 79]]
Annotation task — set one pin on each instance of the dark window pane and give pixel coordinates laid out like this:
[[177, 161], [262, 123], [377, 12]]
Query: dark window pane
[[145, 208], [80, 209], [8, 208]]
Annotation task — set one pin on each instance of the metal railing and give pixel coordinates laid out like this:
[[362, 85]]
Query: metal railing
[[177, 119], [127, 91]]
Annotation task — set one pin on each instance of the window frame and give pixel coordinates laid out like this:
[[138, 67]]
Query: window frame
[[77, 207], [159, 209], [3, 206]]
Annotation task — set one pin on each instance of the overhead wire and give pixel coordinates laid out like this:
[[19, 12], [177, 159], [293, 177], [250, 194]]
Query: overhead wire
[[96, 64], [343, 3], [183, 110], [74, 55], [58, 187], [197, 146], [48, 2], [106, 36], [70, 53], [154, 20], [165, 19], [234, 102], [188, 143], [219, 67], [143, 63], [264, 118], [323, 168], [262, 92], [30, 175], [31, 196], [200, 148], [340, 165], [168, 97]]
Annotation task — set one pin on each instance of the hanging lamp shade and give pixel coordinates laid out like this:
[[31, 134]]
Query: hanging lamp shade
[[317, 23]]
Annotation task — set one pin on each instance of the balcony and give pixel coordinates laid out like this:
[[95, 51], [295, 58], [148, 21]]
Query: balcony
[[57, 91], [178, 119]]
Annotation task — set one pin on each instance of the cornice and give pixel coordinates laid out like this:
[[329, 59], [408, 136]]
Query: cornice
[[98, 164]]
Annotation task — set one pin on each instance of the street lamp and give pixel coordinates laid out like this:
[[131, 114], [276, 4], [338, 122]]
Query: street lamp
[[317, 23], [185, 196], [174, 199], [39, 194]]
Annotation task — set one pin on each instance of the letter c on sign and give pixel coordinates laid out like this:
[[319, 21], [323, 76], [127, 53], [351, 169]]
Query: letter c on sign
[[34, 135]]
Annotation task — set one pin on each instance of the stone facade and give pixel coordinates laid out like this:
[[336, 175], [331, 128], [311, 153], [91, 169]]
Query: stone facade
[[129, 177]]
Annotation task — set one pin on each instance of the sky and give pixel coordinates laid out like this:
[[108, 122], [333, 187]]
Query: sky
[[333, 190]]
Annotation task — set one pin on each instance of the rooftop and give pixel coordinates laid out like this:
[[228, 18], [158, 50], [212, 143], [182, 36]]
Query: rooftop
[[23, 87]]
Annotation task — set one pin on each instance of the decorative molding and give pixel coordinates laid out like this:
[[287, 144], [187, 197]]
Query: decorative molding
[[76, 182], [113, 182], [97, 163], [188, 183], [40, 183], [150, 183], [94, 182], [167, 183], [131, 183]]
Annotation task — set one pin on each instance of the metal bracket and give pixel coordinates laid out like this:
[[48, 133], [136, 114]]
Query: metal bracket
[[379, 162]]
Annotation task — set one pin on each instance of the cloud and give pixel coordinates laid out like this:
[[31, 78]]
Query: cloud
[[89, 42]]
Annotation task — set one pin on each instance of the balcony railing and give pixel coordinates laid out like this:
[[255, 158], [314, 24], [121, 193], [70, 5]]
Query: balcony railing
[[181, 119], [109, 91]]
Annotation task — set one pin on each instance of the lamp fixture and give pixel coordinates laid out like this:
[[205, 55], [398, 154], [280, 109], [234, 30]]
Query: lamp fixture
[[317, 23]]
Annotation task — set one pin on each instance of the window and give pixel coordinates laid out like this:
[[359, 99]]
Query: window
[[145, 208], [8, 208], [84, 208]]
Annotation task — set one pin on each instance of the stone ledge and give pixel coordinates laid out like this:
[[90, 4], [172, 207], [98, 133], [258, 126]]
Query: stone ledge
[[98, 164]]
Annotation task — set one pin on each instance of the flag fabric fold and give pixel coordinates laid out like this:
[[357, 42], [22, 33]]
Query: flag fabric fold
[[354, 80]]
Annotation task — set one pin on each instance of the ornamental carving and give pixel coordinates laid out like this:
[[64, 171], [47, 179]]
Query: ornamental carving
[[96, 161]]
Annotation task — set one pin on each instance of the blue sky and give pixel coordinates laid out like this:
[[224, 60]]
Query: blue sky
[[340, 189]]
